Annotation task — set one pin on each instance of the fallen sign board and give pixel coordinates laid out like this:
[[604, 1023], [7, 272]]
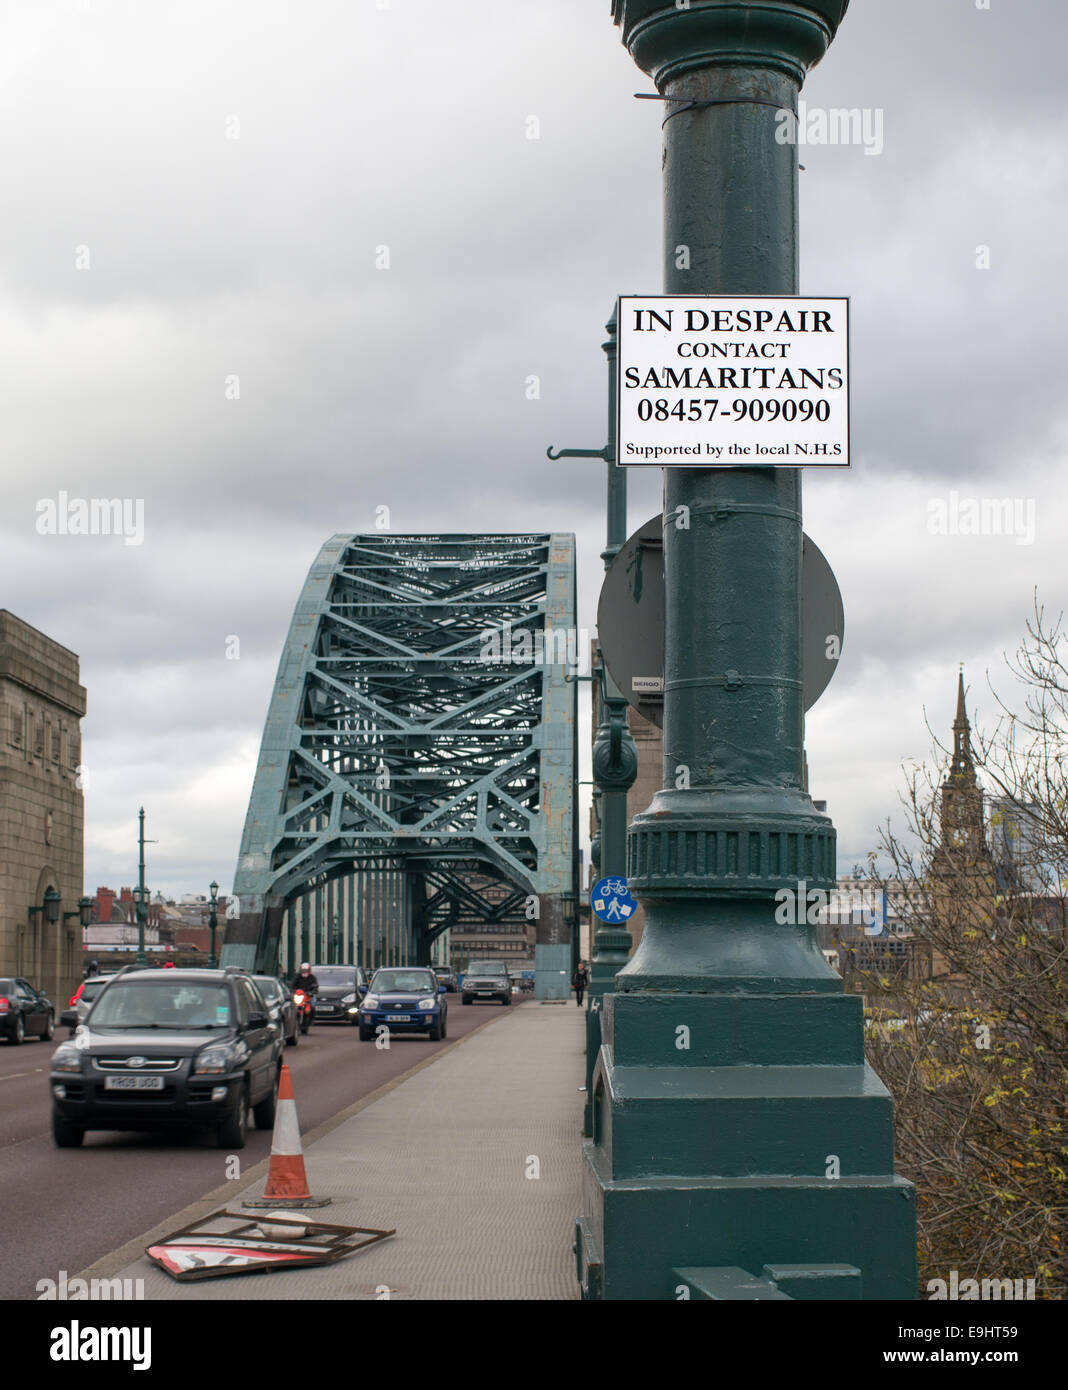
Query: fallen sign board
[[228, 1242], [733, 381]]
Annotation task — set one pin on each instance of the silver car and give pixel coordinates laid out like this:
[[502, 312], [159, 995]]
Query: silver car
[[280, 1007], [86, 998]]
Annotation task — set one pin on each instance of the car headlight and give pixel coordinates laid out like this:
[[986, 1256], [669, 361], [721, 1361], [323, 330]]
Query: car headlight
[[427, 1003], [66, 1058], [213, 1060], [349, 999], [370, 1001]]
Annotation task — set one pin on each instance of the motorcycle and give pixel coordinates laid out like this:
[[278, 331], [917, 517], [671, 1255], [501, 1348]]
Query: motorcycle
[[305, 1002]]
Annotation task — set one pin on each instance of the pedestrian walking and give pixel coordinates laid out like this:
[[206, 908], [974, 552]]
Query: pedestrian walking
[[580, 981]]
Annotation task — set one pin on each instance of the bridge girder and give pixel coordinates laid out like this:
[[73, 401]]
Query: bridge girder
[[401, 737]]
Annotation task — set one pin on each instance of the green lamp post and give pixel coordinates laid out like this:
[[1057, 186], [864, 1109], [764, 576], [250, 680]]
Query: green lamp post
[[615, 756], [141, 893], [213, 923], [741, 1146]]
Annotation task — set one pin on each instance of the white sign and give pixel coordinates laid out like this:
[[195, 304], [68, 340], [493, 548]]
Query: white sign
[[733, 381]]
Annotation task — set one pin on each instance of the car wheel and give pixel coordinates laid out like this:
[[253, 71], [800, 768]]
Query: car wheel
[[64, 1134], [231, 1133], [444, 1025], [263, 1113], [436, 1034], [466, 999], [19, 1035], [365, 1034], [506, 1000], [292, 1042], [50, 1029]]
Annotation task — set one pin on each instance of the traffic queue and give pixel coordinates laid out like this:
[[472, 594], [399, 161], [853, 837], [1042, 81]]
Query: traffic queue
[[152, 1048]]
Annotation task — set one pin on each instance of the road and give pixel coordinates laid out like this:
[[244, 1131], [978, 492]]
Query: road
[[65, 1208]]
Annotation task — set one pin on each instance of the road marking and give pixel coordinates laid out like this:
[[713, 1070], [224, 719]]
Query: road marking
[[12, 1075]]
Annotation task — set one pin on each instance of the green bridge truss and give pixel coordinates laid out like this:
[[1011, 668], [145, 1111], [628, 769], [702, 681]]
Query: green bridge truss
[[423, 725]]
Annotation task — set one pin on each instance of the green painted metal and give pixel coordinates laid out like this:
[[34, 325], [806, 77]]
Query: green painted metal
[[413, 746], [615, 755], [735, 1123]]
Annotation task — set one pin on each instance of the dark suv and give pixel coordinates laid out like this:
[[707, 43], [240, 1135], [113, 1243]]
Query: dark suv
[[165, 1049], [487, 979], [341, 987]]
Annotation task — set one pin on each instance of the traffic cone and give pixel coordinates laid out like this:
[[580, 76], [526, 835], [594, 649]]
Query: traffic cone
[[287, 1182]]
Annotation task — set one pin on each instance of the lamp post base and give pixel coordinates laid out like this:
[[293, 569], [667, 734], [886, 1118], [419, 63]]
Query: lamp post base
[[734, 1133]]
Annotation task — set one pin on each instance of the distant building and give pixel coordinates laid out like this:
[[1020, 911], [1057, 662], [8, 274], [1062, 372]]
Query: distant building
[[42, 812], [109, 906], [1018, 847]]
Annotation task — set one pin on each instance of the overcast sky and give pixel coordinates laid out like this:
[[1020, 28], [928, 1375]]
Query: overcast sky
[[197, 191]]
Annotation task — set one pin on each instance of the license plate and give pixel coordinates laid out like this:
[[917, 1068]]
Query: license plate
[[398, 1018], [133, 1083]]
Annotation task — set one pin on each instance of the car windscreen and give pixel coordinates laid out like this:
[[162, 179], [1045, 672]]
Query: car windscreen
[[403, 982], [487, 967], [268, 987], [333, 975], [181, 1004], [92, 988], [7, 987]]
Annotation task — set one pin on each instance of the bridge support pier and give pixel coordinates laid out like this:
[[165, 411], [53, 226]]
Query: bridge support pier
[[552, 949]]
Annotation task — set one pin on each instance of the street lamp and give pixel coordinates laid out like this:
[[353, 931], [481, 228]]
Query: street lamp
[[141, 894], [49, 907], [142, 916], [213, 922], [84, 913]]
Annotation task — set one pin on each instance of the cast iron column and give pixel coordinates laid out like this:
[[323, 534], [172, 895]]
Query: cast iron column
[[739, 1137]]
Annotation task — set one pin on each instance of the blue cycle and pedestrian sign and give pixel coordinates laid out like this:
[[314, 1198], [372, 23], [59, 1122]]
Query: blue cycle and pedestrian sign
[[611, 900]]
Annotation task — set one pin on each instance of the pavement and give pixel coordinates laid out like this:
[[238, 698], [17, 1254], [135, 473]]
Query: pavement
[[473, 1156]]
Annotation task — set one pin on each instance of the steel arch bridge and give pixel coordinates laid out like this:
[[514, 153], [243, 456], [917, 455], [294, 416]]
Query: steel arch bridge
[[423, 724]]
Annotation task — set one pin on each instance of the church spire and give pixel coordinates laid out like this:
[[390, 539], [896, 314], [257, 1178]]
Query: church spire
[[963, 767]]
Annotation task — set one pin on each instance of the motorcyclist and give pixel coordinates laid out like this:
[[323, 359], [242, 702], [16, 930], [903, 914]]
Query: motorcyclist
[[305, 980]]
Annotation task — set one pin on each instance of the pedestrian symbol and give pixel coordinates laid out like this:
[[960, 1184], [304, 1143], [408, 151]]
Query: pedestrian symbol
[[611, 900]]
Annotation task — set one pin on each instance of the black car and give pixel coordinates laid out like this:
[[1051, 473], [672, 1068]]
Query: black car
[[166, 1049], [24, 1011], [341, 987], [279, 1000], [487, 979]]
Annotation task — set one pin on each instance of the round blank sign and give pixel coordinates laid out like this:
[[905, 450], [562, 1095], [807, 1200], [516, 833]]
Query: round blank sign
[[630, 621]]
